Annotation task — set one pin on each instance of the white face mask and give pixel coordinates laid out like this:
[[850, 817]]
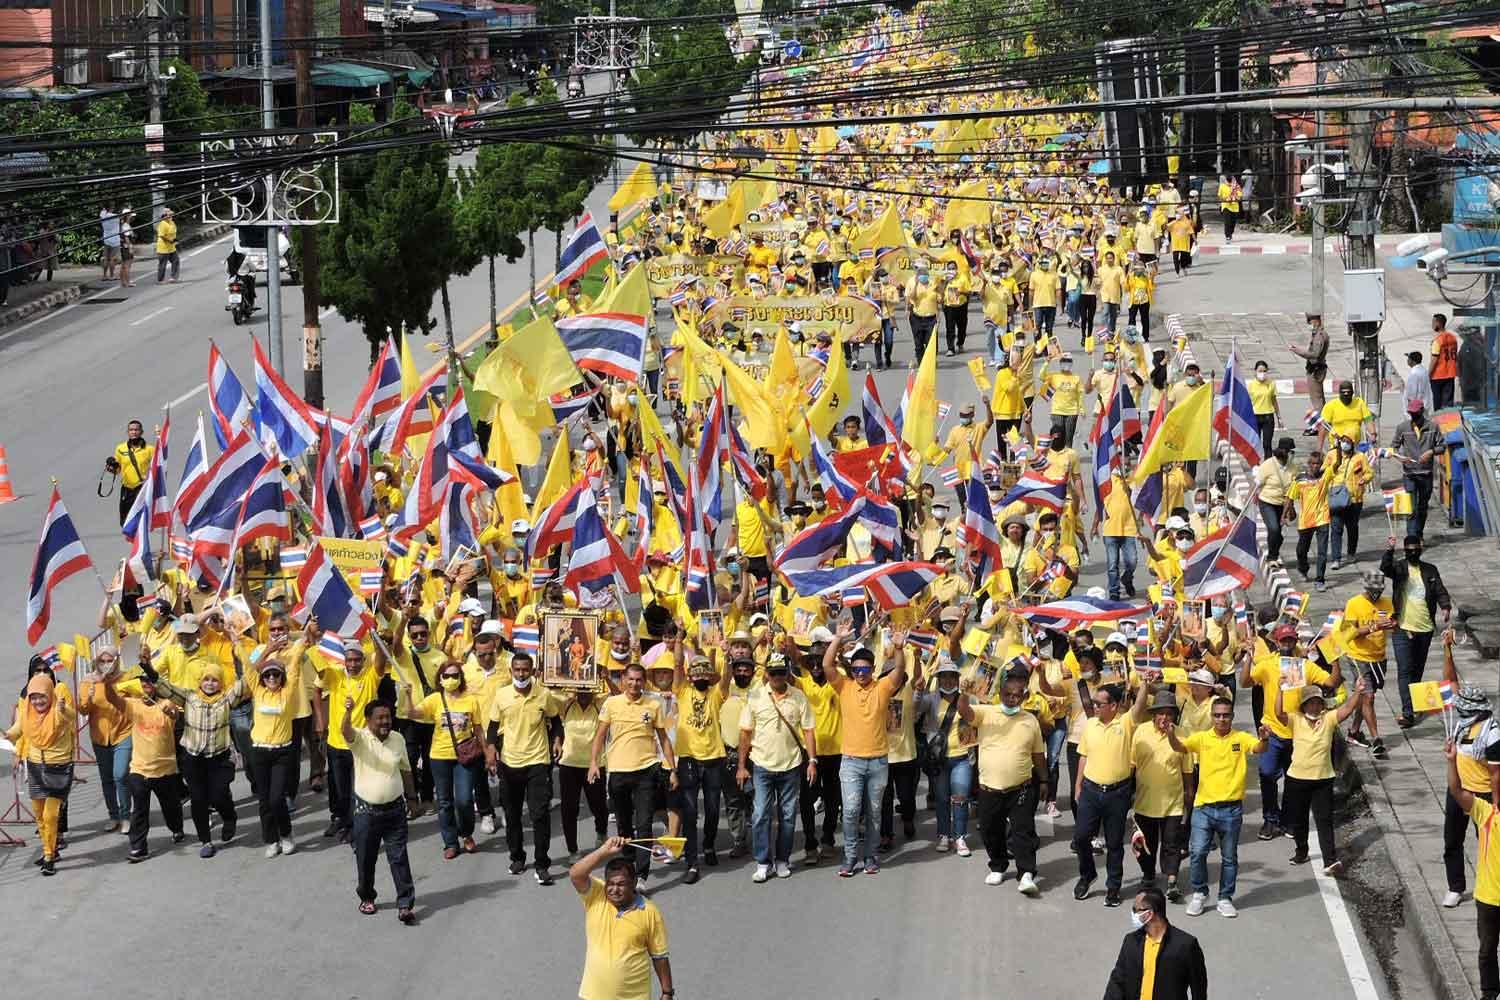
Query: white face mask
[[1262, 376], [521, 683], [1136, 920], [948, 690], [1200, 508], [1183, 545]]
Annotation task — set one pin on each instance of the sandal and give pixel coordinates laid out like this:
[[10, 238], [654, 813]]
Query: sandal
[[367, 908], [406, 916]]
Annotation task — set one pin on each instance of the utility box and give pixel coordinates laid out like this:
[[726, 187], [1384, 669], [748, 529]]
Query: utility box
[[1364, 295]]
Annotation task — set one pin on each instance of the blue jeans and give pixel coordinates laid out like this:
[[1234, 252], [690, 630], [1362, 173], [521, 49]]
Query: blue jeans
[[453, 785], [862, 783], [778, 791], [992, 336], [1273, 764], [1056, 740], [114, 764], [887, 341], [1221, 821], [1111, 315], [1119, 552], [954, 783], [1410, 650]]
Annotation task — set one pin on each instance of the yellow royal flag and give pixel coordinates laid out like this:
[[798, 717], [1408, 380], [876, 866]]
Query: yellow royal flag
[[640, 185], [1183, 435], [834, 398], [981, 380], [886, 232], [1426, 696], [530, 366], [968, 207], [920, 428], [826, 140], [1174, 675], [719, 220], [761, 428], [652, 433], [632, 297], [510, 500], [782, 385], [557, 480], [411, 378]]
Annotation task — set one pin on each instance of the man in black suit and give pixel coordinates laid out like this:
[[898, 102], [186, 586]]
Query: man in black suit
[[1158, 953]]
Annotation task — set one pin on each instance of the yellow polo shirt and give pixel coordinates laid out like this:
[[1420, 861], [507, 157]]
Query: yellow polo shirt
[[632, 732], [579, 725], [1006, 745], [1265, 673], [824, 700], [1107, 748], [1312, 747], [522, 720], [621, 945], [772, 745], [1158, 773]]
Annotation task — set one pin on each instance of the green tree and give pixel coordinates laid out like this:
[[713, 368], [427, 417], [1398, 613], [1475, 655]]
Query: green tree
[[396, 241], [486, 219], [692, 77]]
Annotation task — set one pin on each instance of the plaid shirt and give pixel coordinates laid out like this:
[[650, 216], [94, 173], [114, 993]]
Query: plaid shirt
[[205, 731]]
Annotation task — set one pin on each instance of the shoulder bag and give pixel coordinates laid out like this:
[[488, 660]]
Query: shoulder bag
[[789, 728], [937, 743], [470, 749]]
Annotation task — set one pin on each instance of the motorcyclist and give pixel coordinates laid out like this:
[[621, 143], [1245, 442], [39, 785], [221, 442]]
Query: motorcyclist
[[237, 264]]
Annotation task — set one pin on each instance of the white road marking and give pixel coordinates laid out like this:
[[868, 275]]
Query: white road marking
[[1355, 966], [188, 395], [208, 246], [325, 311], [151, 315], [57, 312]]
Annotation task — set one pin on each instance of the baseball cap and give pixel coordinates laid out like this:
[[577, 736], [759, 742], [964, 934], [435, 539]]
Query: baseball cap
[[470, 606], [492, 627], [520, 526]]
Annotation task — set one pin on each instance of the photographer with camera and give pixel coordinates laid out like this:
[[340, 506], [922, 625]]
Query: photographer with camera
[[130, 461]]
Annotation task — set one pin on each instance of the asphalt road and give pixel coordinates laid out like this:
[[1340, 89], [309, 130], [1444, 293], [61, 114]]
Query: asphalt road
[[240, 925]]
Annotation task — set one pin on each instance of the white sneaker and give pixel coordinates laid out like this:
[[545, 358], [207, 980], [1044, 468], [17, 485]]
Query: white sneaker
[[1028, 886], [1226, 908], [640, 885], [1453, 899], [487, 825], [288, 846], [1196, 904], [762, 872], [942, 845], [272, 850], [783, 869], [961, 845], [994, 878], [1098, 844], [1052, 810]]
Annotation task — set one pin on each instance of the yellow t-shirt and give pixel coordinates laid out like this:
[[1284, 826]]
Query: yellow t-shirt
[[632, 732], [339, 685], [824, 700], [1181, 233], [1043, 285], [1221, 765], [1119, 515], [1312, 510], [862, 714], [1007, 401], [1347, 421], [522, 722], [1312, 747], [1067, 393], [731, 711], [1487, 863], [750, 530], [463, 713], [1006, 745], [621, 945], [1361, 613], [153, 744], [698, 717], [1473, 774], [1107, 748], [772, 745], [901, 726], [579, 725], [271, 725], [1265, 673], [923, 299], [1158, 773], [1262, 395]]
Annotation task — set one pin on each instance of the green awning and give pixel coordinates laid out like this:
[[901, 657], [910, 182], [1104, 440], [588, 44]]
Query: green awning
[[351, 76], [419, 76]]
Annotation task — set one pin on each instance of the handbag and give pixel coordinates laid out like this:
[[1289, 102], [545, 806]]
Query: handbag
[[57, 778], [1338, 497], [795, 738], [937, 743], [469, 750]]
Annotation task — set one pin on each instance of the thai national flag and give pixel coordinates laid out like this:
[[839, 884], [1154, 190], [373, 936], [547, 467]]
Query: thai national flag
[[1241, 613], [372, 529], [555, 525], [540, 575], [262, 515], [1226, 560], [458, 524], [743, 463], [981, 538], [381, 394], [331, 646], [611, 344], [892, 584], [949, 477], [194, 472], [411, 417], [700, 557], [326, 595], [816, 544], [227, 398], [456, 433], [59, 554], [584, 248], [854, 597], [330, 517], [1035, 488], [370, 581], [1234, 415], [151, 509], [526, 639], [923, 639], [294, 558], [396, 547], [1072, 611], [564, 405], [1448, 692], [213, 508], [281, 415], [713, 449], [835, 483], [539, 296]]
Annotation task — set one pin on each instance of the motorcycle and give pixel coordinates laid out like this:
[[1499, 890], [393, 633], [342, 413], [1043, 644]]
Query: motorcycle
[[239, 286], [239, 301]]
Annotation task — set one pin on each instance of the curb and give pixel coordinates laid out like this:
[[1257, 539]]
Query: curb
[[1387, 247], [1439, 957], [66, 294]]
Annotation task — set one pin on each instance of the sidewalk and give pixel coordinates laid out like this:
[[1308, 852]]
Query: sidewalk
[[70, 282], [1405, 793]]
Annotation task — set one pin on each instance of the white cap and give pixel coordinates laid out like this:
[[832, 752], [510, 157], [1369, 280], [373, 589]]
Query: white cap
[[796, 326], [820, 634], [588, 444], [1117, 637], [492, 627], [1096, 592], [1176, 523], [381, 477], [520, 526], [470, 606]]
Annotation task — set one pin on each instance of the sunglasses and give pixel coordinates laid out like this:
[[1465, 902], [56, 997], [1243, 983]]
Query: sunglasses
[[1223, 715]]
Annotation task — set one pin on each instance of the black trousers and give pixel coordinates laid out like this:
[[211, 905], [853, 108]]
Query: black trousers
[[956, 325], [418, 736], [340, 788], [375, 827], [1088, 305], [531, 785], [1489, 942], [208, 781], [921, 332], [1231, 219], [127, 497], [1007, 822], [1142, 312], [574, 784], [1266, 424], [901, 784], [168, 799], [739, 801], [1073, 761], [1163, 845], [1106, 809], [1456, 825], [694, 775], [1442, 393], [631, 797], [275, 774], [827, 787], [1301, 797], [1181, 261]]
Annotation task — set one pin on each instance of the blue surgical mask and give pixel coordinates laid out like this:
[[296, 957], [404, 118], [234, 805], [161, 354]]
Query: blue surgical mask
[[1010, 709]]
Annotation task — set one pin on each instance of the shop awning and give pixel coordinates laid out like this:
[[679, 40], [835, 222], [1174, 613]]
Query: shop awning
[[351, 76], [456, 11]]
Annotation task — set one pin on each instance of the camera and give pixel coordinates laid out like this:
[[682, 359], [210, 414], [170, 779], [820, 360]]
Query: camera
[[1432, 259]]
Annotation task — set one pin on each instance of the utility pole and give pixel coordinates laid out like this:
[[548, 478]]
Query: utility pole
[[614, 73], [154, 101], [312, 331], [612, 44], [273, 232], [1316, 207], [1362, 272]]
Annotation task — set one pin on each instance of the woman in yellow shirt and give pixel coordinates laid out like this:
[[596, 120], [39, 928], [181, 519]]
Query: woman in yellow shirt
[[273, 754], [1140, 289], [1311, 489], [109, 732], [580, 719], [1309, 778], [45, 722], [456, 715], [1267, 409], [1352, 472]]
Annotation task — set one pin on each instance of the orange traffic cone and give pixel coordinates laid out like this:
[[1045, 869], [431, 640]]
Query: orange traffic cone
[[7, 494]]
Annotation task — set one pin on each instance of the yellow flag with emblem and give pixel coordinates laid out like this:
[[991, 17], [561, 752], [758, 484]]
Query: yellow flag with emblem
[[920, 427], [1183, 436], [557, 480], [640, 185], [762, 428], [1426, 696], [886, 232]]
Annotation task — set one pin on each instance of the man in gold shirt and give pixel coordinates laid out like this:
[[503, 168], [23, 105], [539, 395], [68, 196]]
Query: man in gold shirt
[[1012, 779], [521, 753], [627, 938], [638, 726], [923, 300], [1103, 789], [131, 461]]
